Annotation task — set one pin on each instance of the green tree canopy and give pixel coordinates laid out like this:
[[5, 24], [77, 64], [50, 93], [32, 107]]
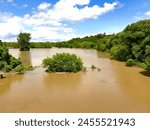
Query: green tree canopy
[[24, 41], [7, 62], [63, 62]]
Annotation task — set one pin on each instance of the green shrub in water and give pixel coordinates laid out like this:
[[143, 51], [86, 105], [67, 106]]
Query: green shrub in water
[[20, 69], [130, 62], [63, 62]]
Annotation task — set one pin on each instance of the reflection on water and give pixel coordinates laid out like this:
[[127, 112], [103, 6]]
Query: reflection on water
[[62, 81], [25, 58], [116, 88]]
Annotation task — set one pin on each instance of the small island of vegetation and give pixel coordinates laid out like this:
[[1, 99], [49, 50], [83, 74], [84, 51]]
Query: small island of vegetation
[[63, 62]]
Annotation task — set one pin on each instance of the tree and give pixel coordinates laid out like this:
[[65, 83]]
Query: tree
[[119, 52], [4, 55], [7, 62], [23, 40]]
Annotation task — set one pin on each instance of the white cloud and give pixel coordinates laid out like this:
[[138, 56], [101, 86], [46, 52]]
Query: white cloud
[[52, 33], [9, 26], [44, 6], [147, 13], [49, 22], [25, 5], [67, 10], [141, 16]]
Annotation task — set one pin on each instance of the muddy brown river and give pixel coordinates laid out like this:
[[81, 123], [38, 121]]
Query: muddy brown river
[[116, 88]]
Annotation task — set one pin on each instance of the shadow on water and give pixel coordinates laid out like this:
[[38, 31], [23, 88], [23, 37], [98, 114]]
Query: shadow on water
[[25, 58], [145, 73]]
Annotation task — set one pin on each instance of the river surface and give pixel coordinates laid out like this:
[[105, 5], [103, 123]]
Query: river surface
[[116, 88]]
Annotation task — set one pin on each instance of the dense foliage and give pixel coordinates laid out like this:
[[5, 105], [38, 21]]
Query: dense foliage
[[41, 45], [134, 41], [63, 62], [32, 44], [20, 69], [23, 40], [147, 62], [132, 45], [130, 62], [7, 62]]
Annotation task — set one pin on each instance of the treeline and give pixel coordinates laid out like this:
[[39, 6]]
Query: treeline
[[32, 44], [132, 45], [88, 42]]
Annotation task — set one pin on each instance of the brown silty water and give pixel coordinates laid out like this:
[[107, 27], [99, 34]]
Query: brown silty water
[[116, 88]]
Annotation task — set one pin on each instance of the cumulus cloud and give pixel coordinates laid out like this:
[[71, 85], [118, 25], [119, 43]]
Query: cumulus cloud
[[48, 22], [44, 6], [147, 13], [68, 10], [142, 16], [10, 26]]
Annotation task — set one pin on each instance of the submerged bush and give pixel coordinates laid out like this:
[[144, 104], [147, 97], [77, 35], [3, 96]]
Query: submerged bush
[[147, 63], [20, 69], [14, 62], [93, 67], [130, 62], [98, 69], [63, 62], [7, 68], [30, 68]]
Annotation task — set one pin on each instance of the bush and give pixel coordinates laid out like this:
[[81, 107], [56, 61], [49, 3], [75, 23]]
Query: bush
[[2, 64], [7, 68], [20, 69], [130, 62], [63, 62], [119, 52], [147, 63], [93, 67], [30, 68], [14, 62], [98, 69]]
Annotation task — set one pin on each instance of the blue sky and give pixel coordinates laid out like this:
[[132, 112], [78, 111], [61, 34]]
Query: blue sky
[[58, 20]]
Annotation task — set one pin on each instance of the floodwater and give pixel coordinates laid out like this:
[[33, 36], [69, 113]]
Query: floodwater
[[116, 88]]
